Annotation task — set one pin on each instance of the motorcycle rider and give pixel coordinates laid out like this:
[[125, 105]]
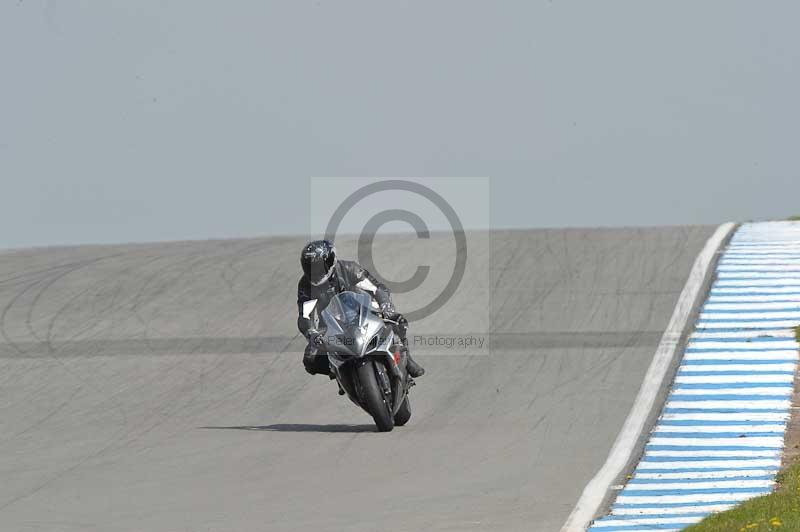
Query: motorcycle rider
[[323, 277]]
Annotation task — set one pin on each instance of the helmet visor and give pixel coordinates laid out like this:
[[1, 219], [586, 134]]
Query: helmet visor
[[319, 272]]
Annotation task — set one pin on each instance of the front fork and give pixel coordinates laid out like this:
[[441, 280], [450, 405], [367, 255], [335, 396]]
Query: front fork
[[393, 389]]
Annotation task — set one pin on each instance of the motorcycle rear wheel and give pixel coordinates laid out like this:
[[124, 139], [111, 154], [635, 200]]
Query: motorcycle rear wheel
[[373, 397]]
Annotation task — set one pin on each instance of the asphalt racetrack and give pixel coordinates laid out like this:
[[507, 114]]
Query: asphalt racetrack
[[158, 387]]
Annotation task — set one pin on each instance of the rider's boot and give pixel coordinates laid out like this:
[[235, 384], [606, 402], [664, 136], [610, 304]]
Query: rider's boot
[[414, 369], [316, 363]]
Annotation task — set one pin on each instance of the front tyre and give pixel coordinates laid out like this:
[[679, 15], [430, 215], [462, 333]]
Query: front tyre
[[403, 413], [373, 397]]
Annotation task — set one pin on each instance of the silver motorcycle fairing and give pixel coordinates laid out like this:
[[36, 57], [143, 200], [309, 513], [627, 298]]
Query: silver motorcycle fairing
[[355, 331], [351, 326], [337, 357]]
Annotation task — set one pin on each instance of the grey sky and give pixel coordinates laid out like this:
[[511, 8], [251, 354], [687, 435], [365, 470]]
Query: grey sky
[[144, 120]]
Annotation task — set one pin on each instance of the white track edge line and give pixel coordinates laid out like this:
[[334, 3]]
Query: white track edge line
[[596, 490]]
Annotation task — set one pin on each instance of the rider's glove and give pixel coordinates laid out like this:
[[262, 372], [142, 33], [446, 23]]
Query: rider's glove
[[402, 322], [316, 340]]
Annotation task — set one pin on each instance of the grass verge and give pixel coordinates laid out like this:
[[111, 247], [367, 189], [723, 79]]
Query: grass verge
[[777, 511]]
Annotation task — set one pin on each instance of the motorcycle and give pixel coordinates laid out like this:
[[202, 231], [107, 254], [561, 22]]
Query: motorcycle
[[368, 359]]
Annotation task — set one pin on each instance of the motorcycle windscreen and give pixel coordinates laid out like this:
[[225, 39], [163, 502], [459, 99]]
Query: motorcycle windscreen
[[346, 311]]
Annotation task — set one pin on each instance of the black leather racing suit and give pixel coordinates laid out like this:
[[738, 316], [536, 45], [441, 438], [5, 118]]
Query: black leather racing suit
[[312, 300]]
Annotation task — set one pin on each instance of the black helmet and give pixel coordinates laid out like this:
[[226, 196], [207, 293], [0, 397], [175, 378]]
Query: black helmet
[[318, 259]]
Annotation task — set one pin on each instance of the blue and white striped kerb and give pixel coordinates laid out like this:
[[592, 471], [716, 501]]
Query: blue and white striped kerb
[[719, 439]]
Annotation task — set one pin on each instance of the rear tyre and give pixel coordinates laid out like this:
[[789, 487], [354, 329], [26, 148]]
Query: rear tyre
[[403, 413], [373, 398]]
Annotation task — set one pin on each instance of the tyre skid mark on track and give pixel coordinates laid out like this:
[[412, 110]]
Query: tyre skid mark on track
[[202, 314], [130, 433], [622, 451], [51, 277]]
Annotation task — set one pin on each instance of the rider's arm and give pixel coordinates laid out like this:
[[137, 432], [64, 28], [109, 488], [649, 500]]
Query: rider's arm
[[366, 281], [306, 306]]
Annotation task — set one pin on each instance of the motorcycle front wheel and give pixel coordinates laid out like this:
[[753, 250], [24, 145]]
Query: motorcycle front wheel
[[373, 397]]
